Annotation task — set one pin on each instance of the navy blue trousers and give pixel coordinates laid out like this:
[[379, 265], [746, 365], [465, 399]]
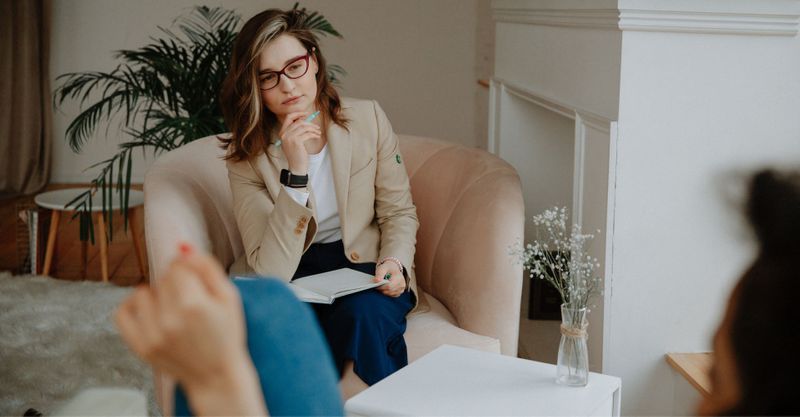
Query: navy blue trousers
[[366, 327]]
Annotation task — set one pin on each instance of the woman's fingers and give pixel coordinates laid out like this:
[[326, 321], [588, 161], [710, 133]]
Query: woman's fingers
[[192, 290], [296, 132], [141, 317], [128, 327], [208, 269], [380, 272], [397, 285], [180, 327], [179, 287], [306, 136], [292, 121], [293, 117], [397, 282]]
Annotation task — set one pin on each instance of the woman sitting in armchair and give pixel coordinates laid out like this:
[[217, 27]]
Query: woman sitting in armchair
[[318, 184]]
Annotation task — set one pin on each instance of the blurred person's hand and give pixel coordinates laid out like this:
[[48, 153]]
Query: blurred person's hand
[[191, 326]]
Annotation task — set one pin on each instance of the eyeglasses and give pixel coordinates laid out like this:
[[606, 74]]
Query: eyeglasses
[[293, 70]]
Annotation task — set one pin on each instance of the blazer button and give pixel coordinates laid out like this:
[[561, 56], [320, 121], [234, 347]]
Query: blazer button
[[354, 256], [298, 231], [303, 219]]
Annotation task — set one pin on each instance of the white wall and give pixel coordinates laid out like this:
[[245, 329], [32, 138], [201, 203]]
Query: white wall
[[420, 59], [702, 91], [579, 68], [693, 110]]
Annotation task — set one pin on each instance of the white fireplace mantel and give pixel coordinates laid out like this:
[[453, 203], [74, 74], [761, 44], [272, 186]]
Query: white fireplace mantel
[[630, 112], [744, 17]]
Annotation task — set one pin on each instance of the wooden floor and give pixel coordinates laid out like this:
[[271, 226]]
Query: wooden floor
[[122, 264]]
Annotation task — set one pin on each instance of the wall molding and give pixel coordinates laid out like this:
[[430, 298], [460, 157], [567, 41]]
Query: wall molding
[[500, 86], [594, 19], [579, 170], [701, 18], [738, 23], [495, 93], [584, 120]]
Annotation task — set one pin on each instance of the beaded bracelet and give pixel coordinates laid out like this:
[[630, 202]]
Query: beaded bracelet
[[392, 259]]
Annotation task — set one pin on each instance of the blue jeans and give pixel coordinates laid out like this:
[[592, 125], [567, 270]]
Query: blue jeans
[[289, 352]]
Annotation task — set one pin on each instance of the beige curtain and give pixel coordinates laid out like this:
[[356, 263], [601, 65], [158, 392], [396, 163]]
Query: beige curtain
[[25, 104]]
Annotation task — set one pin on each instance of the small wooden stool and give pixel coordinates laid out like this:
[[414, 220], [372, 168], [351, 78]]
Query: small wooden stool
[[57, 201]]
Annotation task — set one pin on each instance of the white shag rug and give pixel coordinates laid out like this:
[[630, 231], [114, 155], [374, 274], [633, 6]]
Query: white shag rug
[[57, 338]]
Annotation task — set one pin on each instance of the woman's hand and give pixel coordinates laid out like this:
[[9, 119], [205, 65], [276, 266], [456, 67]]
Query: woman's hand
[[397, 282], [294, 134], [191, 326]]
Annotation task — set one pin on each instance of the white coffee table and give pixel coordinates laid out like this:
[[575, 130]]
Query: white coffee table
[[456, 381], [57, 202]]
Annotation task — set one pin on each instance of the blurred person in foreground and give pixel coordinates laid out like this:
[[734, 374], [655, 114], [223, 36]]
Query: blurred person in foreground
[[235, 347], [756, 362]]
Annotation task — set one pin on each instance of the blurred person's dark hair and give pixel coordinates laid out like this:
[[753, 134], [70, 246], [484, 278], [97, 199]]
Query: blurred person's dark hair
[[765, 321]]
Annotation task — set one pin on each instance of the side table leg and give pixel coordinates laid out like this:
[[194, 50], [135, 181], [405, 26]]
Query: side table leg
[[51, 241], [137, 243], [84, 251], [101, 231]]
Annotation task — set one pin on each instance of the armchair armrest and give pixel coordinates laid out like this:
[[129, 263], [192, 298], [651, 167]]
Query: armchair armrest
[[475, 277], [174, 211]]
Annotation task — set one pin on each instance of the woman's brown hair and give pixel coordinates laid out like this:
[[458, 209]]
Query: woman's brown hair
[[248, 120]]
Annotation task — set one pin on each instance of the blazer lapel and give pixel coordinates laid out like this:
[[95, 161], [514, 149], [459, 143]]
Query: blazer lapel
[[340, 149]]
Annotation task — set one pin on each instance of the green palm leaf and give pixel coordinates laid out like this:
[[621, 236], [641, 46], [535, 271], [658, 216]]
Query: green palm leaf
[[163, 96]]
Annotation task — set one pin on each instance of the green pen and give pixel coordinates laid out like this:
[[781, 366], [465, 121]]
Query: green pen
[[310, 118]]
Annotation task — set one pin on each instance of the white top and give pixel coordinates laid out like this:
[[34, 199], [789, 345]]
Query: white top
[[58, 199], [320, 178], [456, 381]]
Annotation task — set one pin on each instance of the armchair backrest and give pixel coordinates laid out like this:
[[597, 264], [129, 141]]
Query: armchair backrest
[[469, 204], [188, 198]]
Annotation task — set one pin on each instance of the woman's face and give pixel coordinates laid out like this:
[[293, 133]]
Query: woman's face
[[725, 390], [289, 95]]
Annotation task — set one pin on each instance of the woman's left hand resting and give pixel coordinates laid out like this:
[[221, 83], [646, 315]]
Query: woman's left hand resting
[[191, 326], [397, 282]]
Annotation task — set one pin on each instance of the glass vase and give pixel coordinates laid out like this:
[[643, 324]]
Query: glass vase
[[573, 353]]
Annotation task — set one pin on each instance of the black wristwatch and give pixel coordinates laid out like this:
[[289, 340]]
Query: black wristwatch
[[293, 180]]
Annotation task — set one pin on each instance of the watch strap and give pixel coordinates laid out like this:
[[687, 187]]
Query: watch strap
[[293, 180]]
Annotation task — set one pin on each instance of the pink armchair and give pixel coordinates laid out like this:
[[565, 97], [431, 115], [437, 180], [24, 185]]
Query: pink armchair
[[470, 209]]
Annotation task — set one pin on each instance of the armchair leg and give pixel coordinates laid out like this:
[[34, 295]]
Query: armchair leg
[[137, 242], [101, 236], [51, 242]]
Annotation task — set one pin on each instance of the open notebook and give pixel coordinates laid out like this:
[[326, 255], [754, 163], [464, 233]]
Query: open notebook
[[324, 288]]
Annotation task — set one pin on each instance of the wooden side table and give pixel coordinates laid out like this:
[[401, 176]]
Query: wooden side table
[[456, 381], [57, 201]]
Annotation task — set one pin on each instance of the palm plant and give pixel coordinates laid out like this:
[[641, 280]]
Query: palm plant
[[164, 94]]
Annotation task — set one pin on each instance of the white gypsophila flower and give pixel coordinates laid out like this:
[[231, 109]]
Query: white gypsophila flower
[[558, 255]]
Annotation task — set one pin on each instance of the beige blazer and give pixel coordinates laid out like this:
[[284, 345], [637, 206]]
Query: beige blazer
[[378, 218]]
